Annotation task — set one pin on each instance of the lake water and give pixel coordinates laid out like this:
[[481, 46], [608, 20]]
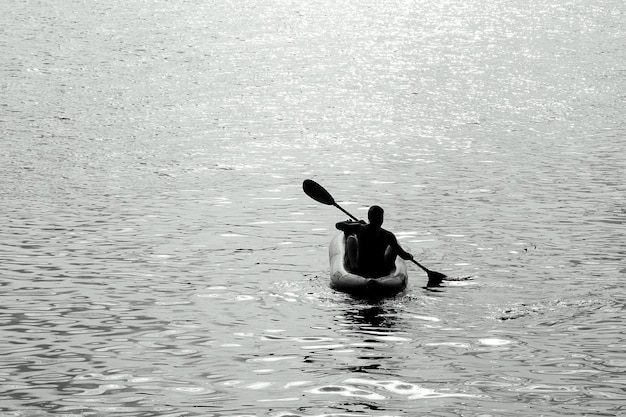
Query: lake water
[[159, 258]]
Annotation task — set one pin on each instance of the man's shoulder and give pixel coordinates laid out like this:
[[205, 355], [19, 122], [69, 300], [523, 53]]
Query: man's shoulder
[[387, 234]]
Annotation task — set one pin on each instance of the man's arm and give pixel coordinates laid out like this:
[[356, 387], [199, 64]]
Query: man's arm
[[396, 246], [349, 226]]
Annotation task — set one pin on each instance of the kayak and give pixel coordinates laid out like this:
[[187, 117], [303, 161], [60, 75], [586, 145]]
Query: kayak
[[341, 279]]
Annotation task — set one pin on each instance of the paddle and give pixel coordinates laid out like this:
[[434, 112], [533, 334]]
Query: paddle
[[319, 194]]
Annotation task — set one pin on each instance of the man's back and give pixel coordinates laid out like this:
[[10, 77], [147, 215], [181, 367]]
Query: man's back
[[374, 250], [373, 243]]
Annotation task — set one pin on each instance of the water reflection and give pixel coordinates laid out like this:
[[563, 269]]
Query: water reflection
[[377, 316]]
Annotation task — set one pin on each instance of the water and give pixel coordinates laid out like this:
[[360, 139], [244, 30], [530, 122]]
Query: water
[[158, 257]]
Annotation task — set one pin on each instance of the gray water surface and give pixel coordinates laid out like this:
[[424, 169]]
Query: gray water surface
[[159, 258]]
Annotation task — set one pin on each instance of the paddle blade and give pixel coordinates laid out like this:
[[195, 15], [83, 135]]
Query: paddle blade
[[435, 278], [317, 192]]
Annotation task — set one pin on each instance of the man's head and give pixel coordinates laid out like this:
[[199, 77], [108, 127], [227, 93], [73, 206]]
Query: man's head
[[375, 216]]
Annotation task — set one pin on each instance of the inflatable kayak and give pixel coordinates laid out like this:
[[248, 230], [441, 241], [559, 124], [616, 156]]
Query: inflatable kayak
[[342, 279]]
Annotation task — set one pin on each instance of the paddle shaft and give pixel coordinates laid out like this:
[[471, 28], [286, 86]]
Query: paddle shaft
[[349, 215], [420, 265]]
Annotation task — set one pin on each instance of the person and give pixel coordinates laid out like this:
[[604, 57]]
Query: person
[[371, 250]]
